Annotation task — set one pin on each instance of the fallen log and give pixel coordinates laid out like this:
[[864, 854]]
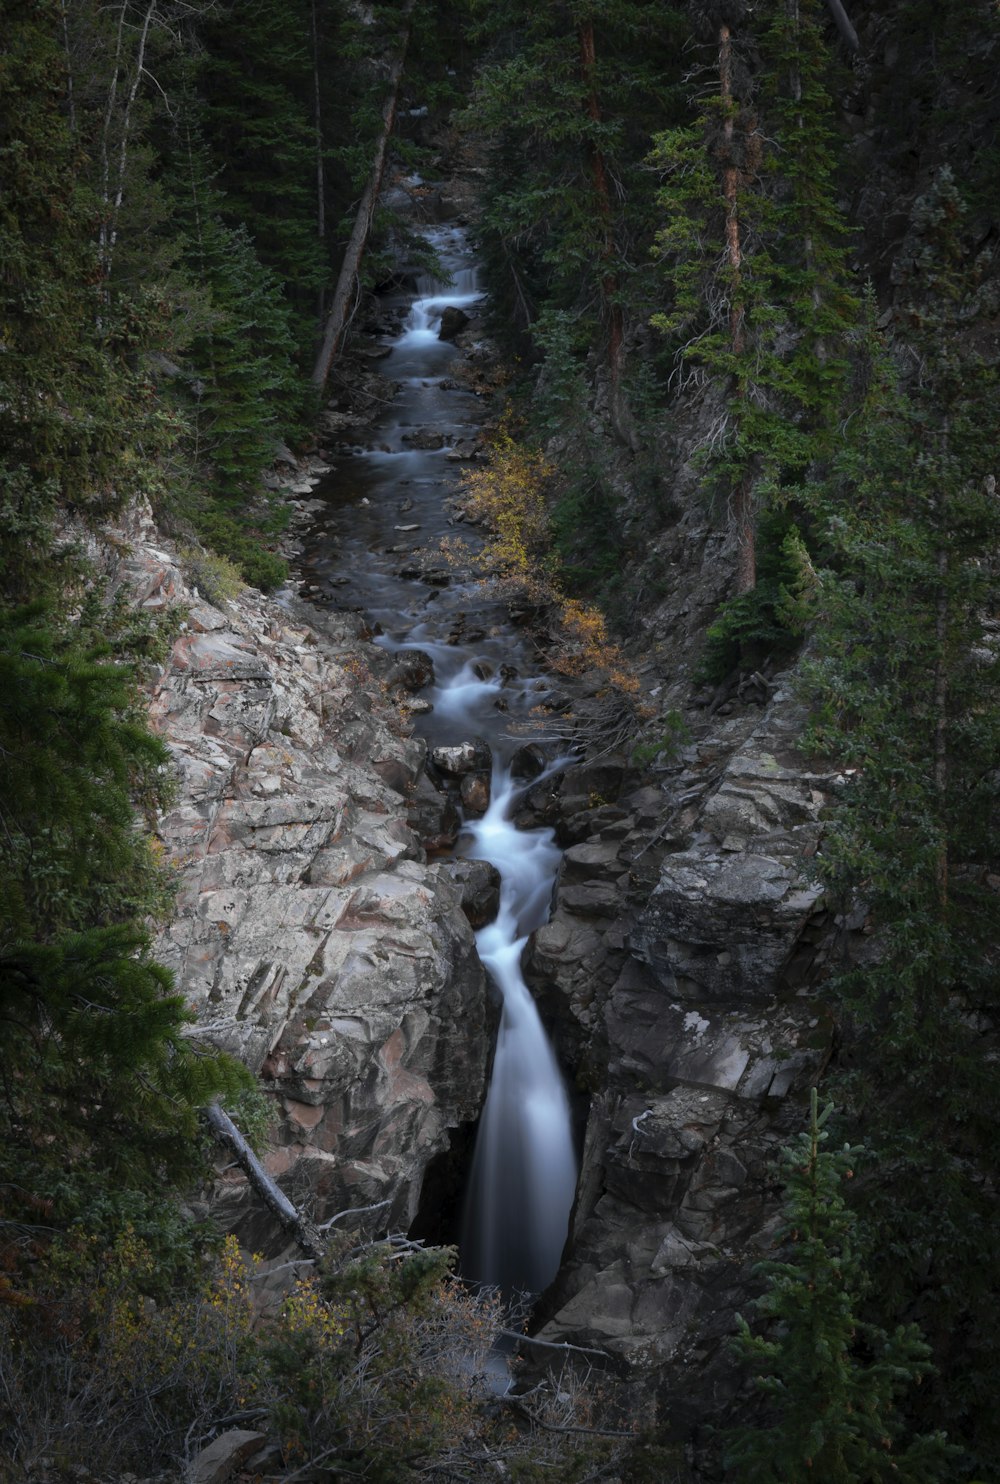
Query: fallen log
[[268, 1189], [345, 293], [844, 26]]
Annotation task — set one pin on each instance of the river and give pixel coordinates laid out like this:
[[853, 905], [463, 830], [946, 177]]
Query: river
[[381, 501]]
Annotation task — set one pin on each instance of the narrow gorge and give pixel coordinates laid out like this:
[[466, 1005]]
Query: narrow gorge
[[350, 765], [499, 719]]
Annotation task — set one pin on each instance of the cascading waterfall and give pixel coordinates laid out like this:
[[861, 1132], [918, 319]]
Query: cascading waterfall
[[524, 1168]]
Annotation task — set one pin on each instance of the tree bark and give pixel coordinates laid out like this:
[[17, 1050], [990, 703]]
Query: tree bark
[[611, 306], [269, 1191], [347, 282], [742, 496], [114, 194]]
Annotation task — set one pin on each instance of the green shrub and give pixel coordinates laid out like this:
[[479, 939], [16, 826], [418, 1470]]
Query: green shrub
[[217, 579]]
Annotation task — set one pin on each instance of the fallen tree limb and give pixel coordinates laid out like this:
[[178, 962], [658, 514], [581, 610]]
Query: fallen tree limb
[[269, 1191], [844, 26], [512, 1334], [347, 283], [352, 1211], [514, 1405]]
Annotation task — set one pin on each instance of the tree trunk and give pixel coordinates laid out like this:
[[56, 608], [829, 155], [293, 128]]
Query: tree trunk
[[269, 1191], [730, 191], [941, 708], [318, 134], [318, 130], [344, 295], [113, 190], [612, 310], [742, 501]]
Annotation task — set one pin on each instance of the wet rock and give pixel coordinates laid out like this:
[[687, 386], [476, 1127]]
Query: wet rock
[[462, 451], [466, 757], [426, 438], [480, 887], [528, 762], [595, 860], [453, 322], [412, 670], [475, 792], [432, 816]]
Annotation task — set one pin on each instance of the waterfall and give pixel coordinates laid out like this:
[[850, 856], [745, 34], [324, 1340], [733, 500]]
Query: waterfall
[[524, 1168]]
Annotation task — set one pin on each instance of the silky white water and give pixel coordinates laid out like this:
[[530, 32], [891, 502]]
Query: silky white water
[[523, 1174], [524, 1169]]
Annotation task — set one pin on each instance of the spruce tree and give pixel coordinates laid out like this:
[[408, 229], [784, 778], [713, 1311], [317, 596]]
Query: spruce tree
[[906, 688], [97, 1074], [753, 254], [829, 1379]]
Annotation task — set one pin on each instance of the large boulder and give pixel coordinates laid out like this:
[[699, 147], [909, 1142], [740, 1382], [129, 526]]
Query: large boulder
[[453, 322]]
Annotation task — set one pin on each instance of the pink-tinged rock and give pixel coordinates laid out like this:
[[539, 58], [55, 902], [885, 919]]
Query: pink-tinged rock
[[403, 1086], [216, 655], [278, 1162], [217, 1463]]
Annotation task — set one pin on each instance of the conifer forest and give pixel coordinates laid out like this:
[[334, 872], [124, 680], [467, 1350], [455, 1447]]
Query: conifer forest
[[499, 741]]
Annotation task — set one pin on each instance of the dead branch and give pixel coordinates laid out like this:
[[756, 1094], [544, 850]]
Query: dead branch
[[269, 1191]]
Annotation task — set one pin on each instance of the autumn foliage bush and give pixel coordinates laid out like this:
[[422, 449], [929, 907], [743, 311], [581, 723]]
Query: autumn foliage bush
[[510, 498], [375, 1364]]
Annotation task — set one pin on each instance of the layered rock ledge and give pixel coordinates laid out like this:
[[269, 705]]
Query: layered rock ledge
[[682, 957], [311, 937]]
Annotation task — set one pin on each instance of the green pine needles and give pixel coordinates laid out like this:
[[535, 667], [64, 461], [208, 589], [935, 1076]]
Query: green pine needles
[[753, 257], [829, 1380]]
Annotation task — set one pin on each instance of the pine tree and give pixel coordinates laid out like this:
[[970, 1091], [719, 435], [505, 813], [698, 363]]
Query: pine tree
[[906, 686], [256, 83], [72, 405], [831, 1381], [753, 253], [96, 1072], [568, 96]]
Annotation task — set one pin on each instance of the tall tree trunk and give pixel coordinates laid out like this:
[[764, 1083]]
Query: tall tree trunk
[[70, 92], [345, 293], [318, 132], [611, 306], [113, 175], [742, 496], [941, 702]]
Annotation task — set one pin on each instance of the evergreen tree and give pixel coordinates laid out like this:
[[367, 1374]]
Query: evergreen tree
[[97, 1075], [905, 683], [96, 1071], [753, 252], [565, 103], [256, 83], [830, 1379], [73, 408]]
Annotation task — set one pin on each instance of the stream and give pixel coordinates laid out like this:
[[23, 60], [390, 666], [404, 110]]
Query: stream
[[380, 502]]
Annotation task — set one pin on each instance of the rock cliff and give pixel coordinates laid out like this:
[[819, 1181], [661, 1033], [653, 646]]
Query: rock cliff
[[679, 960], [311, 937]]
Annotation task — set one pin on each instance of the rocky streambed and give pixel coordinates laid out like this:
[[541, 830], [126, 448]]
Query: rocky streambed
[[325, 932]]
